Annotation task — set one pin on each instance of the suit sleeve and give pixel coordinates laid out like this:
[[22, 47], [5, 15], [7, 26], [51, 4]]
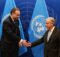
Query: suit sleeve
[[37, 42], [8, 31], [59, 44]]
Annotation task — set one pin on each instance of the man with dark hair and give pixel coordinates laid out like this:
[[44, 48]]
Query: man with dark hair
[[51, 39], [11, 38]]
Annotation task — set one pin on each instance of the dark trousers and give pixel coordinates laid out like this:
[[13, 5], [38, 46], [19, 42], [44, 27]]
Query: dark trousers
[[9, 50]]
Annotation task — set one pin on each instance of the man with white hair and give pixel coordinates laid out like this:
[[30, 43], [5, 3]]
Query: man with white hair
[[51, 39]]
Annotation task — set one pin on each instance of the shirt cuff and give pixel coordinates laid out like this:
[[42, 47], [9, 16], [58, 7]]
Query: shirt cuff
[[21, 42]]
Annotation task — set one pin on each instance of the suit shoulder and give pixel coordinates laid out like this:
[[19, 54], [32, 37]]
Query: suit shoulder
[[6, 20], [58, 31]]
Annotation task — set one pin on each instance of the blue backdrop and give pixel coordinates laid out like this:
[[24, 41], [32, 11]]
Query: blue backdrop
[[27, 8]]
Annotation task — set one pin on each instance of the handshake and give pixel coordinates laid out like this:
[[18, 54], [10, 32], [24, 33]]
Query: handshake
[[25, 43]]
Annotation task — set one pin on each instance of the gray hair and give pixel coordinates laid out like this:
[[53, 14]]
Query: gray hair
[[52, 19]]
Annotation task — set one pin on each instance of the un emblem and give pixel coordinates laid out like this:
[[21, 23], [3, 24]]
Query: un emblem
[[38, 26]]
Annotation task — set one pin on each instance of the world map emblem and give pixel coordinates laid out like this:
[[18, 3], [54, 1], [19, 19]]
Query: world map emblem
[[38, 26]]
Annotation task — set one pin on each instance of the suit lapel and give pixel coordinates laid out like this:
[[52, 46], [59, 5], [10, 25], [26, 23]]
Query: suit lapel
[[45, 37], [12, 22], [52, 35]]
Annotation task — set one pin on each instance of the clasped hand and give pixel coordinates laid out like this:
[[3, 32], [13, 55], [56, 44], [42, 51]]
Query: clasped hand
[[25, 43]]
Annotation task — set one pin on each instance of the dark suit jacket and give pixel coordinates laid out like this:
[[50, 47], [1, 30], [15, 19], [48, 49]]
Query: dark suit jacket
[[10, 38], [52, 47]]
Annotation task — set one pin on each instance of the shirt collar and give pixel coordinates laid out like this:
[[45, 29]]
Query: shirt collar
[[52, 29], [12, 18]]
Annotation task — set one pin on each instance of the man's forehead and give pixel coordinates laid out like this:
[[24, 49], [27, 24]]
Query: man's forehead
[[48, 20]]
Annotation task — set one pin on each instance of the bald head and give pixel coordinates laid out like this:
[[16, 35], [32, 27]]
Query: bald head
[[50, 21]]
